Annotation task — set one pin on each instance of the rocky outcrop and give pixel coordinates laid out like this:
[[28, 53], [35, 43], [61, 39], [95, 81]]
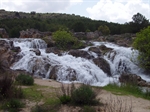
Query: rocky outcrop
[[3, 33], [87, 35], [105, 49], [95, 50], [80, 53], [103, 64], [33, 33], [93, 35], [36, 51], [8, 54], [54, 50], [133, 79]]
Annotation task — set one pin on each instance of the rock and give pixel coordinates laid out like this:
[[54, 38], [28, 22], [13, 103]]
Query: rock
[[53, 50], [93, 35], [53, 73], [105, 49], [80, 53], [3, 33], [16, 49], [33, 33], [133, 79], [37, 52], [49, 41], [103, 64], [71, 74], [95, 50]]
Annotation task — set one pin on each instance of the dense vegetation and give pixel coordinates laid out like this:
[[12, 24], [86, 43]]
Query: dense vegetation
[[14, 22], [142, 44], [65, 40]]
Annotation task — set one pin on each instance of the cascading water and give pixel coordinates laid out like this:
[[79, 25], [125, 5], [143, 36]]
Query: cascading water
[[67, 67]]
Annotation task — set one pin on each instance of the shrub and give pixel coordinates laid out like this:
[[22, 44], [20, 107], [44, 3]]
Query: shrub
[[25, 79], [65, 40], [84, 95], [142, 44], [6, 85], [12, 105], [8, 89]]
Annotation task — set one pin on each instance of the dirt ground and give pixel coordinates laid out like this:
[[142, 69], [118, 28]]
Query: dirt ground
[[130, 102]]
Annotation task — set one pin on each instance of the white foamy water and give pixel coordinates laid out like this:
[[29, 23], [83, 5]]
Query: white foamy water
[[67, 67]]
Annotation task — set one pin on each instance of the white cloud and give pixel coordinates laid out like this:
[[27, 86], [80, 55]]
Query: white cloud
[[38, 5], [118, 10]]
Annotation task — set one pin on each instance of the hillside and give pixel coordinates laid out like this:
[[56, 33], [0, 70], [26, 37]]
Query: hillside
[[14, 22]]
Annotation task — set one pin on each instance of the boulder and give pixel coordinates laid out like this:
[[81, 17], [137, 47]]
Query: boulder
[[93, 35], [71, 74], [36, 51], [49, 41], [33, 33], [3, 33], [103, 64], [133, 79], [104, 49], [80, 53], [54, 50], [53, 73], [95, 50]]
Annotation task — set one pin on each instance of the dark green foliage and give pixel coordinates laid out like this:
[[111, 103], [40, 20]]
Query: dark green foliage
[[25, 79], [8, 88], [12, 105], [84, 95], [65, 40], [142, 44], [88, 109], [139, 22], [104, 29], [64, 99], [6, 85]]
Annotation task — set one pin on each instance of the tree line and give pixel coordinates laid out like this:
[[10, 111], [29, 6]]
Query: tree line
[[53, 22]]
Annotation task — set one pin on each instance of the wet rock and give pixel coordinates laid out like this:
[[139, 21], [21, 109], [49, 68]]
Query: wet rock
[[49, 41], [105, 49], [133, 79], [53, 50], [95, 50], [103, 64], [37, 52], [80, 53], [16, 49], [53, 73]]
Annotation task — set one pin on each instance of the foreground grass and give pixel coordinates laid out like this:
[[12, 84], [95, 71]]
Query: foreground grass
[[44, 94], [127, 89]]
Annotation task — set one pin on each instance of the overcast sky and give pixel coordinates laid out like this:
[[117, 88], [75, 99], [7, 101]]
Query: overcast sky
[[119, 11]]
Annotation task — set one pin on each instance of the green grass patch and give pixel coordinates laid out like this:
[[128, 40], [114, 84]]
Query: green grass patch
[[127, 89]]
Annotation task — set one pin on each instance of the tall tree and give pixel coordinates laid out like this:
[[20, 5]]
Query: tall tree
[[139, 22]]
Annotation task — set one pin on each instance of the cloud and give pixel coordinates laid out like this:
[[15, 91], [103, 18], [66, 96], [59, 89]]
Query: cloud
[[38, 5], [118, 10]]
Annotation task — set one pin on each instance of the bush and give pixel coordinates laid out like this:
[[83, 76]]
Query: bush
[[142, 44], [25, 79], [8, 89], [84, 95], [65, 40], [6, 85], [12, 105]]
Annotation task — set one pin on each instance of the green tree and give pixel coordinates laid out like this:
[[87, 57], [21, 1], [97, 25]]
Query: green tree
[[139, 22], [142, 44], [65, 40], [104, 29]]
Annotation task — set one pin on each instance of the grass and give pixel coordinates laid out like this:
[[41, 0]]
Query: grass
[[127, 89], [45, 94]]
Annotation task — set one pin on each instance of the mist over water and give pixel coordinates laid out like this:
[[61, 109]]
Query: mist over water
[[67, 66]]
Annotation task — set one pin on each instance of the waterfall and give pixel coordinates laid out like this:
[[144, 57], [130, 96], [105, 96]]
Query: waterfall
[[68, 68]]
